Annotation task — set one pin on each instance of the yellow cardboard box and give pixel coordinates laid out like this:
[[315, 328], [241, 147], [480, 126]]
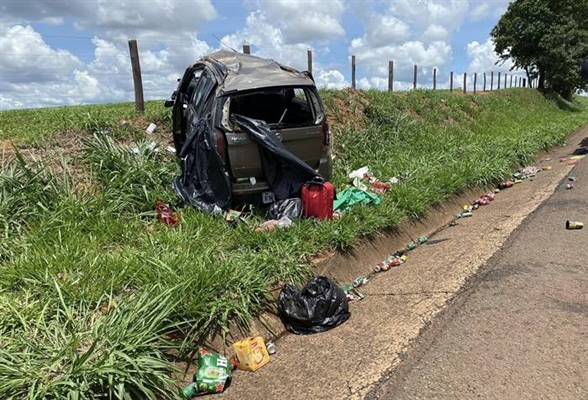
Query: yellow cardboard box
[[251, 353]]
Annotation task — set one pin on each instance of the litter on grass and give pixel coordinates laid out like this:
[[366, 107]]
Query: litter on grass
[[165, 214], [272, 224], [347, 198], [151, 128]]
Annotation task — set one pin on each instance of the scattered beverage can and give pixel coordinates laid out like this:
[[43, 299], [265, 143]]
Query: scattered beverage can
[[466, 214], [411, 246], [574, 225], [547, 168], [357, 282], [396, 261], [423, 239], [570, 186], [572, 178], [271, 347]]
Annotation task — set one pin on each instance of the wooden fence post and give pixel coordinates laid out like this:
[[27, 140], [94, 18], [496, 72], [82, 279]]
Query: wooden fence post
[[353, 72], [491, 80], [498, 81], [524, 82], [484, 89], [309, 61], [505, 77], [246, 49], [465, 77], [451, 82], [137, 80], [475, 81], [510, 80], [414, 82], [434, 78], [390, 76]]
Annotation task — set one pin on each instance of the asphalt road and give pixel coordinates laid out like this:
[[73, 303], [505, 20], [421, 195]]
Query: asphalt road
[[520, 329]]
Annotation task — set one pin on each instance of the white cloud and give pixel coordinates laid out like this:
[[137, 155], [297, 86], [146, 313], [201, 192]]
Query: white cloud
[[26, 58], [480, 12], [483, 58], [385, 30], [488, 9], [424, 13], [435, 33], [417, 32], [58, 77], [302, 21], [121, 18], [332, 79]]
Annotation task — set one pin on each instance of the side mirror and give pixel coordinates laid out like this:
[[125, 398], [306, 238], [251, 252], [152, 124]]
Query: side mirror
[[584, 73], [168, 103]]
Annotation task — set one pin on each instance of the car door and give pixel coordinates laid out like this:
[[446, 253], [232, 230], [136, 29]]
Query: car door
[[192, 102]]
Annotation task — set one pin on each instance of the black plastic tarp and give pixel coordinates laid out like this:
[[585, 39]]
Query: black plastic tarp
[[203, 182], [285, 172]]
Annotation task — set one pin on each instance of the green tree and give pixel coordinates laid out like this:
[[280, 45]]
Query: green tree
[[547, 39]]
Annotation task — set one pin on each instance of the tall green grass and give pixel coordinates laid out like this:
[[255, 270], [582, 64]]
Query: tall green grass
[[74, 242]]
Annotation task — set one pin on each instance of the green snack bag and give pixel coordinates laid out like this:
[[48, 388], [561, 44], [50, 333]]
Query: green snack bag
[[213, 374]]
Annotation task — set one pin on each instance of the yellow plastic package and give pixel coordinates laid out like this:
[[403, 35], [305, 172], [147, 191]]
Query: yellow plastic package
[[251, 353]]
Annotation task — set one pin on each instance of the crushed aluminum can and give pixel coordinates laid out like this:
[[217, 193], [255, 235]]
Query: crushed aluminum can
[[358, 294], [395, 262], [423, 239], [570, 186], [574, 225], [357, 282], [411, 246], [572, 178], [271, 347], [547, 168], [466, 214]]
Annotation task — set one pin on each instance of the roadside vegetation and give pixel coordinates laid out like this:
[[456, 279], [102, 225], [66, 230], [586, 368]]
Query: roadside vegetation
[[96, 295]]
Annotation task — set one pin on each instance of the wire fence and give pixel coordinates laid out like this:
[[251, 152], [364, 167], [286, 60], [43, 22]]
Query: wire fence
[[421, 78]]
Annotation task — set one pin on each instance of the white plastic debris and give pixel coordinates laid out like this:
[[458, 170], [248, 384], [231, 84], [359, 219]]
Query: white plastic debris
[[151, 128], [359, 173], [171, 149]]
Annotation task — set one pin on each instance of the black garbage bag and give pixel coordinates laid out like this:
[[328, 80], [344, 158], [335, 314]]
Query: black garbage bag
[[317, 307], [203, 183], [291, 208], [285, 172]]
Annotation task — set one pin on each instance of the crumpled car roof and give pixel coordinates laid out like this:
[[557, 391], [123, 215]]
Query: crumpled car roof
[[246, 72]]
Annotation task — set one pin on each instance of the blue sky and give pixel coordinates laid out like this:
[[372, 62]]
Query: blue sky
[[67, 52]]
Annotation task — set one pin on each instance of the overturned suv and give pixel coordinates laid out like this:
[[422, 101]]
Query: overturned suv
[[232, 113]]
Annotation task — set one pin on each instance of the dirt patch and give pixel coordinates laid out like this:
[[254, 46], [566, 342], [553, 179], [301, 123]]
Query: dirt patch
[[349, 109]]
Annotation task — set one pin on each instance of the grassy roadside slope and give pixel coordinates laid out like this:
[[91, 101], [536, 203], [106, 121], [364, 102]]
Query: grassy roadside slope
[[92, 282]]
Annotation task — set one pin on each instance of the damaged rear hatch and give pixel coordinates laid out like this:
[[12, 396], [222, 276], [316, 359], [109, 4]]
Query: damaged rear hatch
[[294, 114]]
